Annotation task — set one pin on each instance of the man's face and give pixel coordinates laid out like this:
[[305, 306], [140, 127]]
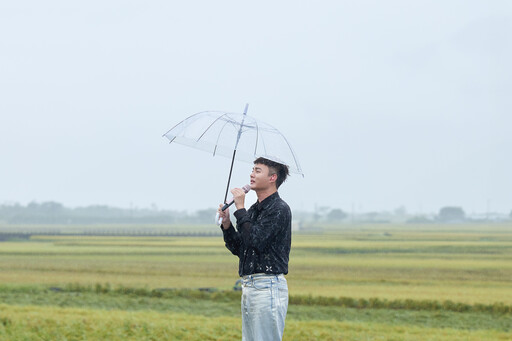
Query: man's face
[[261, 178]]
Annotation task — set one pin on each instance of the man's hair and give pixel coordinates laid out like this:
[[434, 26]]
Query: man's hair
[[274, 168]]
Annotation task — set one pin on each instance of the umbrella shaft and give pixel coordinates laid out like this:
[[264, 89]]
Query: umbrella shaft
[[229, 178]]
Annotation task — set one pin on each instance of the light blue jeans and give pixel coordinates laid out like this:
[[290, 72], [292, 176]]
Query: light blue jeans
[[264, 307]]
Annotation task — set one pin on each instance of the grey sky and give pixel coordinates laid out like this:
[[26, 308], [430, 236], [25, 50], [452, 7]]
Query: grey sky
[[387, 103]]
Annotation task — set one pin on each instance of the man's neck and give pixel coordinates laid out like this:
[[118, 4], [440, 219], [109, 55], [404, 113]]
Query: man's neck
[[265, 193]]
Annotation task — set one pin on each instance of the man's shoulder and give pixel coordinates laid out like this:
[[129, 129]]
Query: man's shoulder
[[282, 202], [282, 205], [272, 203]]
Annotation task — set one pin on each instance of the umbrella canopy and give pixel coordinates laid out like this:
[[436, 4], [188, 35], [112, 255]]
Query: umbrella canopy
[[221, 133], [234, 135]]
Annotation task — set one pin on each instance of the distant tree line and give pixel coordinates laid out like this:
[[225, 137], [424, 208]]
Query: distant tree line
[[55, 213], [447, 214]]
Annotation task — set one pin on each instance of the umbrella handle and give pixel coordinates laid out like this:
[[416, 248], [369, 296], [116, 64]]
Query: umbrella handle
[[218, 220]]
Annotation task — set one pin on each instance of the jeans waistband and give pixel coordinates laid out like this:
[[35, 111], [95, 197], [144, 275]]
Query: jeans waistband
[[261, 275]]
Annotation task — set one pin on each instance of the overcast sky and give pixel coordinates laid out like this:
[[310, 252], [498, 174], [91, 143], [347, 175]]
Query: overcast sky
[[386, 103]]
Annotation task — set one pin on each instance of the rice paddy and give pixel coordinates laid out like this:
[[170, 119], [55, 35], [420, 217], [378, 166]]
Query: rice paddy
[[467, 265]]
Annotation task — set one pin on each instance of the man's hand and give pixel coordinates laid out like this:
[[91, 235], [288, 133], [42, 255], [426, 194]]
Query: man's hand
[[224, 215], [238, 197]]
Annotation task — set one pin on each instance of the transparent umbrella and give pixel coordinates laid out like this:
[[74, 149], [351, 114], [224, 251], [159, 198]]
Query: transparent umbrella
[[236, 136]]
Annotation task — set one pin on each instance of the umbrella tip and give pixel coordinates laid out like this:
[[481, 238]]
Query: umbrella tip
[[246, 107]]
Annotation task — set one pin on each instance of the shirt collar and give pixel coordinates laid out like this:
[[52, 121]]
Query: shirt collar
[[267, 201]]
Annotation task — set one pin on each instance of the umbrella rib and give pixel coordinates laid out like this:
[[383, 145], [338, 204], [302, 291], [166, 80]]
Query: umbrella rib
[[293, 155], [257, 136], [204, 132], [264, 147], [183, 121], [218, 137]]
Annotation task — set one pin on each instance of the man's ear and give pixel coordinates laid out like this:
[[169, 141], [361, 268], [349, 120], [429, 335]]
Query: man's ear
[[273, 177]]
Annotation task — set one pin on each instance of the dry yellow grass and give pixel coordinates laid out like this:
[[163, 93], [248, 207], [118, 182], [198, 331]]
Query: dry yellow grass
[[465, 263]]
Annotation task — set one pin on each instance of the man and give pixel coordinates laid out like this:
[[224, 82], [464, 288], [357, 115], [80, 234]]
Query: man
[[262, 242]]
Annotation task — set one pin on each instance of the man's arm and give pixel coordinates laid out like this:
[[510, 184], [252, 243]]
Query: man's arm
[[231, 237]]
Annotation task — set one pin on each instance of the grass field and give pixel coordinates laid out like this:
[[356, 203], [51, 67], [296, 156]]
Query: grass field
[[383, 282]]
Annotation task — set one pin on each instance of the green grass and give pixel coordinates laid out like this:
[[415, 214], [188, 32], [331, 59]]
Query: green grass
[[63, 323], [116, 313], [227, 303]]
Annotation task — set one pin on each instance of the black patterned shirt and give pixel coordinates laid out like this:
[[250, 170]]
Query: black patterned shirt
[[262, 238]]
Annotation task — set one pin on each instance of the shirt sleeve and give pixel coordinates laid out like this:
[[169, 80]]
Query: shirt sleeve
[[232, 239], [258, 235]]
